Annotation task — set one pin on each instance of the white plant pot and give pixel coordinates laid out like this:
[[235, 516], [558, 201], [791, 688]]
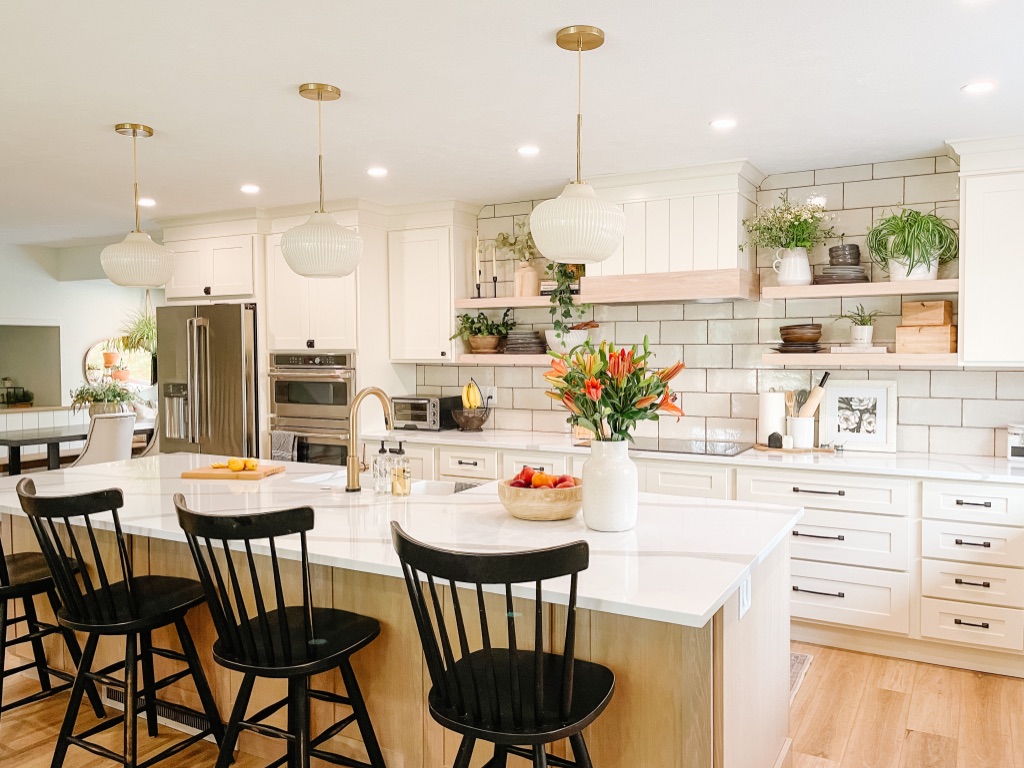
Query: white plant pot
[[610, 487], [898, 272], [793, 267], [569, 340], [861, 335]]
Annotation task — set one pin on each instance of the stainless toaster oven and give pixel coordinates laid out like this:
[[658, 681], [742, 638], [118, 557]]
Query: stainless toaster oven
[[428, 414]]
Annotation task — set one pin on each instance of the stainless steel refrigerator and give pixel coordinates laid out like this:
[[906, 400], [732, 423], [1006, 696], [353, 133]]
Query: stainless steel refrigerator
[[206, 369]]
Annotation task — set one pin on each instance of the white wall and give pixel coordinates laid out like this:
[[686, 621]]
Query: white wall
[[86, 311]]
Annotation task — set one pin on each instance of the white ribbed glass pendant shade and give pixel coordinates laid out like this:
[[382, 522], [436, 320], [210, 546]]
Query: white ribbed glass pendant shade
[[577, 227], [138, 262], [322, 248]]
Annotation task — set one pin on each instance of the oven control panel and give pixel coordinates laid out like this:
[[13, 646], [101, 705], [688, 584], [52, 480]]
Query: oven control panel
[[320, 360]]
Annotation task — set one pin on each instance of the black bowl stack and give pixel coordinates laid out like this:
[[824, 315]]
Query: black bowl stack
[[843, 266], [523, 342]]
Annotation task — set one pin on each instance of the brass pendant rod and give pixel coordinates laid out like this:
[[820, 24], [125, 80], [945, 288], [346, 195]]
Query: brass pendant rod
[[579, 112], [135, 178], [320, 147]]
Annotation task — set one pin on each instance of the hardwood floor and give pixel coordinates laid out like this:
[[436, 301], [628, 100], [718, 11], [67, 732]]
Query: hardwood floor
[[852, 711], [860, 711]]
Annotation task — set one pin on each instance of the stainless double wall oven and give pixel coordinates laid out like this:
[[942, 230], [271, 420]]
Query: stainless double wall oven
[[311, 397]]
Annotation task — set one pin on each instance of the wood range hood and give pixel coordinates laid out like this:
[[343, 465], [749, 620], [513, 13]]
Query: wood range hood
[[660, 287]]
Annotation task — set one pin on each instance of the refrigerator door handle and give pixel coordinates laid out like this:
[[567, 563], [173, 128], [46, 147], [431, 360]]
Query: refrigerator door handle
[[191, 379], [202, 375]]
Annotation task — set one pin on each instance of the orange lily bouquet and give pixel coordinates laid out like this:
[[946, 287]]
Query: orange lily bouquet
[[609, 390]]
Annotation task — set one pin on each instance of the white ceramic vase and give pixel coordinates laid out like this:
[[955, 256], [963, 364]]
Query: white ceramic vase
[[898, 271], [860, 335], [610, 487], [792, 266], [525, 281], [569, 340]]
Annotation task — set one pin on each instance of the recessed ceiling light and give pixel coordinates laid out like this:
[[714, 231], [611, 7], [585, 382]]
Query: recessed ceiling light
[[250, 189], [147, 202], [377, 173], [723, 123], [528, 150], [982, 86]]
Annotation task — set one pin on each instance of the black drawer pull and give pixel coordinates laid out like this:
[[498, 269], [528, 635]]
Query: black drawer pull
[[962, 503], [840, 537], [820, 493], [815, 592], [962, 543], [984, 584], [983, 625], [468, 463], [537, 469]]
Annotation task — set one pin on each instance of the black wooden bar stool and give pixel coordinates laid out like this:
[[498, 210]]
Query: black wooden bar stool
[[25, 576], [519, 700], [100, 596], [274, 637]]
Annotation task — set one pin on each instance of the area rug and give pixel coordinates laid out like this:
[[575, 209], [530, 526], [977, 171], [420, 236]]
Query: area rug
[[798, 666]]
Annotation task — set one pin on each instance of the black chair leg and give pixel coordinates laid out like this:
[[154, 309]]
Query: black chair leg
[[500, 758], [74, 702], [373, 752], [202, 685], [540, 757], [131, 700], [148, 682], [71, 641], [465, 753], [298, 721], [227, 746], [3, 647], [38, 653], [580, 752]]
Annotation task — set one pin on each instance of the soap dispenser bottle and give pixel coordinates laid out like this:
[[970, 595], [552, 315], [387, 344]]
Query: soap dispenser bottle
[[401, 477], [382, 471]]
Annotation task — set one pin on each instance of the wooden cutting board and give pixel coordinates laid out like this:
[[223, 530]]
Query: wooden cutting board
[[209, 473]]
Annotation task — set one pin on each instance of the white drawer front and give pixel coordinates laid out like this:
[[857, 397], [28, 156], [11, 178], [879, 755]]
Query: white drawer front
[[827, 490], [973, 583], [973, 502], [472, 463], [858, 597], [976, 624], [970, 543], [849, 538], [512, 462], [677, 479]]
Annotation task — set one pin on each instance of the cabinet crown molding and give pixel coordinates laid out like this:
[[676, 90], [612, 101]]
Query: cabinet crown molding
[[988, 155]]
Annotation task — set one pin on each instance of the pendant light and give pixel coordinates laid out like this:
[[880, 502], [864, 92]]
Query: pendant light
[[577, 227], [321, 247], [137, 262]]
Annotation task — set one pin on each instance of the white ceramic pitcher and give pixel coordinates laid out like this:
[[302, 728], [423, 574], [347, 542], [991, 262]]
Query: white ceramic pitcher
[[792, 266]]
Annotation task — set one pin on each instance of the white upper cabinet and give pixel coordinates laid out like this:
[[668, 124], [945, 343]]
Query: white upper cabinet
[[212, 267], [420, 287], [991, 251], [308, 313]]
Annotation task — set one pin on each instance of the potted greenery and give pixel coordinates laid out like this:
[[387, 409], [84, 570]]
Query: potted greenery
[[566, 334], [20, 398], [120, 372], [520, 245], [910, 245], [104, 397], [790, 230], [483, 335], [140, 336], [111, 352], [862, 325]]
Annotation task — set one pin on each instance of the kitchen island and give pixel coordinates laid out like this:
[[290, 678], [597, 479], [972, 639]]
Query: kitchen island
[[697, 683]]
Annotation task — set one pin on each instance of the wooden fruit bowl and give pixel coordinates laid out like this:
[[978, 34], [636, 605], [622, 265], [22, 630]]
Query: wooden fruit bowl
[[541, 503]]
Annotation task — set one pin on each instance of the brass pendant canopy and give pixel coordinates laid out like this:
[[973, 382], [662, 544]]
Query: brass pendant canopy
[[580, 37], [135, 130], [319, 92]]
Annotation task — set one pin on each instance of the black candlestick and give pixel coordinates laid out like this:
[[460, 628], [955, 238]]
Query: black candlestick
[[495, 279]]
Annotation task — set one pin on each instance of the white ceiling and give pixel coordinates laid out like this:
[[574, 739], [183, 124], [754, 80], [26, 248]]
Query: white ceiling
[[442, 93]]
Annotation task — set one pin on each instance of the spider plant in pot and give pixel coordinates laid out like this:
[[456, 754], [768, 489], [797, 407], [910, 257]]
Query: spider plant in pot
[[861, 325], [911, 245], [484, 336], [566, 334]]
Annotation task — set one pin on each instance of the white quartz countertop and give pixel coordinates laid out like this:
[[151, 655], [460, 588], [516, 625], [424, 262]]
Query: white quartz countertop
[[680, 564], [921, 465]]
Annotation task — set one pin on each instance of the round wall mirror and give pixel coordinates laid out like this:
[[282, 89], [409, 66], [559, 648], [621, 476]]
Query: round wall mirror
[[107, 356]]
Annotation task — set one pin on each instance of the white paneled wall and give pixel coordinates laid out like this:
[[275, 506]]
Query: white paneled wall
[[722, 344]]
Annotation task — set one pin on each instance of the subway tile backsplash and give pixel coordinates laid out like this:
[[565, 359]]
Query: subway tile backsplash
[[722, 343]]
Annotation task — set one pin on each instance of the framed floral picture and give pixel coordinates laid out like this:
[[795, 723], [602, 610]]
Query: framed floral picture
[[859, 416]]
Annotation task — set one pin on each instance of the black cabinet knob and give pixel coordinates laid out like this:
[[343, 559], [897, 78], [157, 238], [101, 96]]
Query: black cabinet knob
[[207, 290], [444, 354], [310, 343]]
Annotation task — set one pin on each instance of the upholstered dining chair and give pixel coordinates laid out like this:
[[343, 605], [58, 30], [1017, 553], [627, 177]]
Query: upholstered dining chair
[[109, 439]]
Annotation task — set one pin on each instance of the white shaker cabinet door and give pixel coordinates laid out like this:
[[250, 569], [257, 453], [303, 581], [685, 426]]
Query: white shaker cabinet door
[[231, 267], [332, 312], [190, 276], [287, 302], [992, 270], [420, 294]]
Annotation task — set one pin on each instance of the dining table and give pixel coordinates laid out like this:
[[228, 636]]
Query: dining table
[[52, 437]]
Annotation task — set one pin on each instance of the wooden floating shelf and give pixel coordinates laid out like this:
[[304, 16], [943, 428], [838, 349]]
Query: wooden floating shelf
[[504, 302], [906, 288], [534, 361], [863, 360]]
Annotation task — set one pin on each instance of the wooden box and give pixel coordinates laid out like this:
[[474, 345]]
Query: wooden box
[[925, 339], [927, 313]]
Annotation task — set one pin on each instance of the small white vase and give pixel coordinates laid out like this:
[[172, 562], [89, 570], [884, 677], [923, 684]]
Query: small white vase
[[525, 281], [569, 340], [860, 335], [792, 266], [610, 487], [898, 271]]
